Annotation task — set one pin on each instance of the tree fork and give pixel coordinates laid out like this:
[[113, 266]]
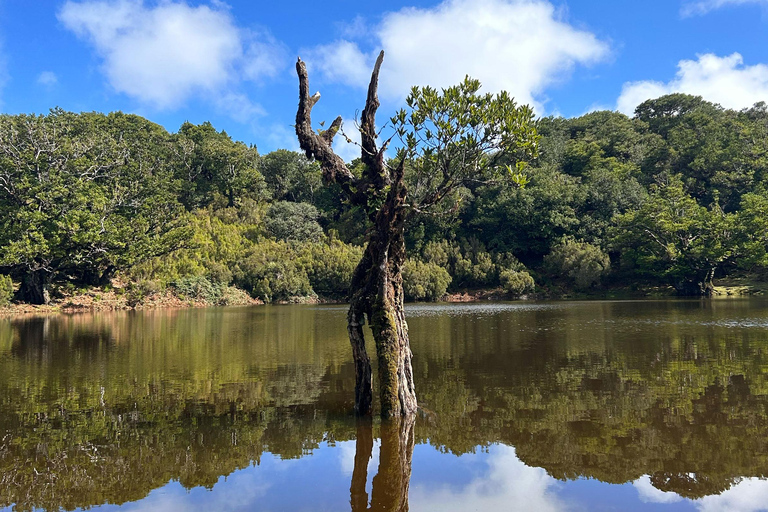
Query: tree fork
[[376, 290]]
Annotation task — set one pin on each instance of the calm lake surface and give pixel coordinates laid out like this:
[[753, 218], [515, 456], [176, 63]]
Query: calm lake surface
[[615, 405]]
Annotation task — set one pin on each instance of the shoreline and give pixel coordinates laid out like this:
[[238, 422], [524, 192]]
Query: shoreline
[[114, 299]]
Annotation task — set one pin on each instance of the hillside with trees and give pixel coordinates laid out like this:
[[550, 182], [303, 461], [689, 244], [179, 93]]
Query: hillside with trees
[[671, 198]]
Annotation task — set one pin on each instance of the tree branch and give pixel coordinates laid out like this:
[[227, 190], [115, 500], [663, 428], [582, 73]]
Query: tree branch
[[319, 146], [377, 173]]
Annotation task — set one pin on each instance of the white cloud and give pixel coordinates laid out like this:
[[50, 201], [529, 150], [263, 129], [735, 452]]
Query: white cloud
[[749, 495], [165, 54], [522, 46], [650, 494], [341, 61], [705, 6], [47, 78], [507, 484], [723, 80]]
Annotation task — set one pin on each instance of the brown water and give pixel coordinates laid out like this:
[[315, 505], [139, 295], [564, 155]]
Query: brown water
[[639, 405]]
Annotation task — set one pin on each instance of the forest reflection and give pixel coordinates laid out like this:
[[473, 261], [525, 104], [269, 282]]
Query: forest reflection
[[669, 396]]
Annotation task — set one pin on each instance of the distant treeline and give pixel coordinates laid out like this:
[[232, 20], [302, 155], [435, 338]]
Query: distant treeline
[[674, 196]]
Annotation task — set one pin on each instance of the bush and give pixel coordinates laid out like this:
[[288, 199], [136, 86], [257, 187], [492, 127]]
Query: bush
[[580, 264], [424, 281], [330, 266], [6, 290], [271, 271], [198, 288], [138, 291], [516, 282]]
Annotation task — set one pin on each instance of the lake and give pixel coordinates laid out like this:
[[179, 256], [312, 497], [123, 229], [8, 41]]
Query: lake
[[554, 406]]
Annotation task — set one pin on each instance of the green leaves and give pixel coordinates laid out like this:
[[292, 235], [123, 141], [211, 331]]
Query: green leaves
[[456, 136], [84, 194], [672, 236]]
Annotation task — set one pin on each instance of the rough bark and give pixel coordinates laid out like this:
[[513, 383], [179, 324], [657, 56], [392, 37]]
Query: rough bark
[[392, 482], [376, 291], [34, 287]]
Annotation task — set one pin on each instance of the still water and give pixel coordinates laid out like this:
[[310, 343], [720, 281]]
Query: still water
[[645, 405]]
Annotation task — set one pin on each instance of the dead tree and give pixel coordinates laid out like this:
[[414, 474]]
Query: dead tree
[[376, 290]]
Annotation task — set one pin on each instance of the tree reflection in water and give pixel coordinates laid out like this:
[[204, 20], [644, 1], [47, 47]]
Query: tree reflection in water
[[104, 408], [390, 485]]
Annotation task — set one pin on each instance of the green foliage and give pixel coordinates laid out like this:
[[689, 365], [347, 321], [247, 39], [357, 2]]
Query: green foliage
[[424, 281], [211, 167], [673, 237], [751, 231], [270, 271], [516, 282], [456, 137], [580, 264], [84, 195], [6, 290], [330, 265], [198, 288], [290, 176], [469, 264], [528, 221], [295, 222], [201, 289], [675, 194], [139, 290]]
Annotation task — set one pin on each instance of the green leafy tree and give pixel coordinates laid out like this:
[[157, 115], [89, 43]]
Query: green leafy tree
[[295, 222], [82, 196], [291, 176], [751, 231], [211, 165], [673, 237]]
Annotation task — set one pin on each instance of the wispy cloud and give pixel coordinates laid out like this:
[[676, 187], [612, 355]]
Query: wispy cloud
[[723, 80], [522, 46], [704, 6], [47, 79]]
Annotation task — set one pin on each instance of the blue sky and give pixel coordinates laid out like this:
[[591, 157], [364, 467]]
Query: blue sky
[[232, 62]]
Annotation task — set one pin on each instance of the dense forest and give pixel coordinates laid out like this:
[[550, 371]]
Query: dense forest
[[671, 198]]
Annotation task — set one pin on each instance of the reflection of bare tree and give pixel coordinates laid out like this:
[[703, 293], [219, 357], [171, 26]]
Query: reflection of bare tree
[[391, 483]]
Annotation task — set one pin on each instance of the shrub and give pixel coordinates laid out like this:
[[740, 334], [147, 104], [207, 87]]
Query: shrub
[[198, 288], [138, 291], [516, 282], [330, 265], [580, 264], [6, 290], [424, 281], [271, 271]]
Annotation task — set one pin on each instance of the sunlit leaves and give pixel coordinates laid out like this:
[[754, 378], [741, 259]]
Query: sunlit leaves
[[457, 136]]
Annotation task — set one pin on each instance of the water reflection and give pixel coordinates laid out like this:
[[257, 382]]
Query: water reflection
[[539, 401], [390, 485]]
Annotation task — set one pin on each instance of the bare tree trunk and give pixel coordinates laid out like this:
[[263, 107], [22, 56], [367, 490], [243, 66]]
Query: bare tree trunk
[[390, 332], [376, 290]]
